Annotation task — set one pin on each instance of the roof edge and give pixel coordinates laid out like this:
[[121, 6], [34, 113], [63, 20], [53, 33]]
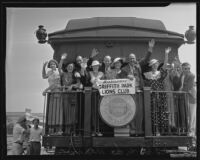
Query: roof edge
[[116, 26]]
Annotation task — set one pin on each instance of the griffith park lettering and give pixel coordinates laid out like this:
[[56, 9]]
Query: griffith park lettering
[[116, 86]]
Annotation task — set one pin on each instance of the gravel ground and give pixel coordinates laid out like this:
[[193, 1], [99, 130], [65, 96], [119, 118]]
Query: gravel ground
[[9, 147]]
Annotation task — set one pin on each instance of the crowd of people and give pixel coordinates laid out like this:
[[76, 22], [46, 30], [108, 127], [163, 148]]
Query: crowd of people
[[84, 72], [146, 72]]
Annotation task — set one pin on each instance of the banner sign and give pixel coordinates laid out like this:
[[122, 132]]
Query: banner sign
[[116, 86]]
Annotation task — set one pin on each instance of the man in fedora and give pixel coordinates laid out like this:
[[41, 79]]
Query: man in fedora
[[18, 131]]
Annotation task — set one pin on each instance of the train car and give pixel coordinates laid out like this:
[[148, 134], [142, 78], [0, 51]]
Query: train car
[[117, 37]]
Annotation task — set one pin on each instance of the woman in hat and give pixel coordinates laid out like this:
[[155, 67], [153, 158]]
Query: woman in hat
[[117, 73], [95, 74], [155, 80], [52, 75], [54, 99], [67, 73]]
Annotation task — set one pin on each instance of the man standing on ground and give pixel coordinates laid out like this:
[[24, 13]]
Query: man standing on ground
[[35, 138], [18, 138]]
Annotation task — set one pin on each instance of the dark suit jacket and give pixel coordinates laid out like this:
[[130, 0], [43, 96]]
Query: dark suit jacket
[[188, 84], [140, 67], [85, 80]]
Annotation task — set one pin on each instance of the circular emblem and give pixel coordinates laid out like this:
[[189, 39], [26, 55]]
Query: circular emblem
[[117, 110]]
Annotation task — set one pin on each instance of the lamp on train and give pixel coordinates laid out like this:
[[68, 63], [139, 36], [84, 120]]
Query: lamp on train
[[190, 35], [41, 34]]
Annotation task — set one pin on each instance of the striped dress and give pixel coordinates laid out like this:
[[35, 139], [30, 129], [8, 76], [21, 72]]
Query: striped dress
[[54, 101]]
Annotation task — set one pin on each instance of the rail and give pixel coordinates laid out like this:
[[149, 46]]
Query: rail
[[157, 113], [63, 112]]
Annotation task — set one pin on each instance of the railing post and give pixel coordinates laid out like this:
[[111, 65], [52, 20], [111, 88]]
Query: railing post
[[44, 114], [87, 111], [147, 111], [46, 129]]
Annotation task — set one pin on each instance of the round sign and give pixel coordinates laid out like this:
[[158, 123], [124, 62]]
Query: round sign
[[117, 110]]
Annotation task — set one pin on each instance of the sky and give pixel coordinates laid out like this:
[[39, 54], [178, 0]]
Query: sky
[[25, 56]]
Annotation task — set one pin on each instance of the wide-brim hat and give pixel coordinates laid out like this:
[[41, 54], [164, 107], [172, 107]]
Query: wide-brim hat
[[118, 59], [95, 63], [52, 60], [153, 61], [77, 75]]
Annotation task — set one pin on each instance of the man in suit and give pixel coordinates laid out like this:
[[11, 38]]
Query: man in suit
[[134, 70], [188, 85]]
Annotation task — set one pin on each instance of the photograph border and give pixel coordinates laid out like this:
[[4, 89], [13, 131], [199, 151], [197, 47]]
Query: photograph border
[[59, 4]]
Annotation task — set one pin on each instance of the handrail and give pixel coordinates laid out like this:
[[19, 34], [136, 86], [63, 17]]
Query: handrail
[[64, 91], [138, 91], [88, 93], [159, 91]]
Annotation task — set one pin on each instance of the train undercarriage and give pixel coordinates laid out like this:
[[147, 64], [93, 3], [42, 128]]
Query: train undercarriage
[[81, 141]]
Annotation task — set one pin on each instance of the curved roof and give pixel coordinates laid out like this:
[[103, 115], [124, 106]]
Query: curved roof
[[76, 24], [98, 28]]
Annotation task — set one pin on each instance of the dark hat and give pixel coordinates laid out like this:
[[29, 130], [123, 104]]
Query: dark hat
[[52, 60], [21, 119], [186, 64], [35, 119]]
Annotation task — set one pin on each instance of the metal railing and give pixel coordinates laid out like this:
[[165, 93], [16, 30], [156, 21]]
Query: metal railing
[[168, 113], [64, 112], [99, 126]]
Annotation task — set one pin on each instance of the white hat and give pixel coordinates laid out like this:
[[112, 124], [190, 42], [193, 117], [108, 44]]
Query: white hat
[[153, 61], [117, 59], [95, 63], [77, 75]]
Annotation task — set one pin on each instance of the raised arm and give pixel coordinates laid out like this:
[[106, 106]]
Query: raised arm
[[48, 89], [94, 53], [146, 59], [44, 74], [167, 50], [60, 66], [63, 57]]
